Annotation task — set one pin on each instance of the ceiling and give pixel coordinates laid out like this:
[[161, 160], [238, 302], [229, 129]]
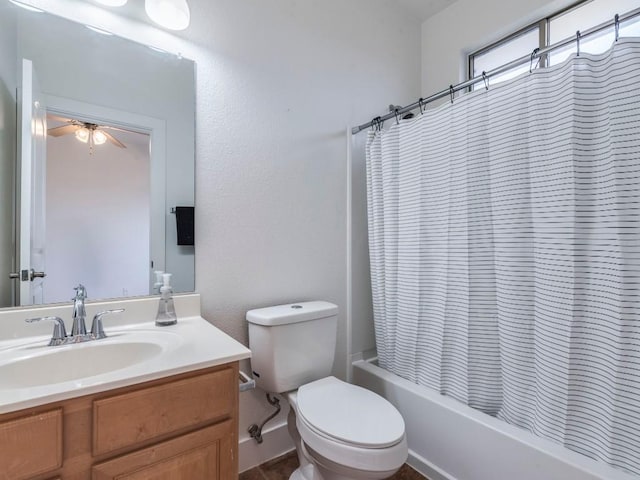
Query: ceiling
[[424, 9], [419, 9]]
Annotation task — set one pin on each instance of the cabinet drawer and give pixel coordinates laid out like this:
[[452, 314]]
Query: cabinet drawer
[[129, 419], [31, 445], [200, 455]]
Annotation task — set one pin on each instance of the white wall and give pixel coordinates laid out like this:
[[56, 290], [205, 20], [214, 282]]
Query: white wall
[[8, 82], [362, 330], [281, 82], [97, 203]]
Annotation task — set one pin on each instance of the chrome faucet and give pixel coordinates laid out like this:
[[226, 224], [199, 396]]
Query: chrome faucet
[[79, 330], [79, 313]]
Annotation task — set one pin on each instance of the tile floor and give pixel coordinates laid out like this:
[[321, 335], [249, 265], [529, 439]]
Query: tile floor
[[280, 469]]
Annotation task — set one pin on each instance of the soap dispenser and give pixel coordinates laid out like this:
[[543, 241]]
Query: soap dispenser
[[166, 311], [158, 284]]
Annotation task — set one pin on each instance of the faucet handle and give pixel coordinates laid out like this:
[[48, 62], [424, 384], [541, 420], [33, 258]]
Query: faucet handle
[[97, 331], [59, 331]]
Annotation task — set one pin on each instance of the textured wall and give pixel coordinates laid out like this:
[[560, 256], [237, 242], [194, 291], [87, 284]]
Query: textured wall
[[275, 98], [284, 81]]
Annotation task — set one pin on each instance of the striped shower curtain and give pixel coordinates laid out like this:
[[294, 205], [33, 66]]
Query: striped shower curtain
[[504, 234]]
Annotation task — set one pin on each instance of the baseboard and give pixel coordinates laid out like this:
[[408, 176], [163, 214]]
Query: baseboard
[[275, 442], [426, 468]]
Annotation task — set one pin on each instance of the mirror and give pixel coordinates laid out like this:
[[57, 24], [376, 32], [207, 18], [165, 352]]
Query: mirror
[[103, 213]]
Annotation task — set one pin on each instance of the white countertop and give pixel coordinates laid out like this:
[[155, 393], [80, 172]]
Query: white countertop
[[191, 344]]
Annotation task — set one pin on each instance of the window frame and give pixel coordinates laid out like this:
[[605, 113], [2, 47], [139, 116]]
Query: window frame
[[543, 37]]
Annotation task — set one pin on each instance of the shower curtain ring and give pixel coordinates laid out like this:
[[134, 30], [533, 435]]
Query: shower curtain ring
[[395, 113], [420, 100], [534, 54], [451, 92], [616, 19], [485, 79], [578, 43]]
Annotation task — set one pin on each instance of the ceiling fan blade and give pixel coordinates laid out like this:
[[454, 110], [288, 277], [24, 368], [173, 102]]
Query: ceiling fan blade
[[58, 118], [63, 130], [114, 140]]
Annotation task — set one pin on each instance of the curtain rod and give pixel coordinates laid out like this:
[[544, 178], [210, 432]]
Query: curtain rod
[[537, 53]]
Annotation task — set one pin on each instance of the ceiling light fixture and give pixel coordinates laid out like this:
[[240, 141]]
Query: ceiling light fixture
[[99, 137], [82, 134], [112, 3], [26, 7], [171, 14], [92, 135]]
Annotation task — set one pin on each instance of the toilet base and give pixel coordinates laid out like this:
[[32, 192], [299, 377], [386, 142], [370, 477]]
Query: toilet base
[[308, 472]]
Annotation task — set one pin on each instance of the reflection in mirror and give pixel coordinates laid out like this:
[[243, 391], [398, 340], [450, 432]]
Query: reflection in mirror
[[105, 208], [109, 168]]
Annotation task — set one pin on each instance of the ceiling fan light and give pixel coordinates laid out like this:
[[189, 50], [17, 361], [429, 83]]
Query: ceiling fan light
[[112, 3], [82, 134], [99, 137], [171, 14]]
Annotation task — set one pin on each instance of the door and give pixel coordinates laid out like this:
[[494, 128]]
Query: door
[[32, 130]]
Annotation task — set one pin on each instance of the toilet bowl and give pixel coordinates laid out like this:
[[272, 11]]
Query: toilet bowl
[[346, 432], [341, 431]]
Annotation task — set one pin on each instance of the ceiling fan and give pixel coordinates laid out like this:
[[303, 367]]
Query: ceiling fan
[[85, 132]]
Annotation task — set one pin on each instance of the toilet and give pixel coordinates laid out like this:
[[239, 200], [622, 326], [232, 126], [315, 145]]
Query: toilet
[[341, 431]]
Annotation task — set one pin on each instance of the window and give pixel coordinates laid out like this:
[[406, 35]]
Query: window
[[515, 46], [551, 30]]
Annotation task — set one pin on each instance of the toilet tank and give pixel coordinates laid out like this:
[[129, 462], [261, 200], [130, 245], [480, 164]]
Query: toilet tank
[[292, 344]]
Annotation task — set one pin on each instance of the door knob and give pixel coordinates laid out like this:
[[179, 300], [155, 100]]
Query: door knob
[[35, 274], [25, 275]]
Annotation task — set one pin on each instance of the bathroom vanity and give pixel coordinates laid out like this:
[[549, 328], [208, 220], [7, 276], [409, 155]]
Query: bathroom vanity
[[172, 413]]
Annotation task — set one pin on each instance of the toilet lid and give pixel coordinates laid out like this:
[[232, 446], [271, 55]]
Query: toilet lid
[[349, 413]]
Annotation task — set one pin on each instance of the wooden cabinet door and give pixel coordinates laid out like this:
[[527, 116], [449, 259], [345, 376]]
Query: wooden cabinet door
[[31, 445], [205, 454]]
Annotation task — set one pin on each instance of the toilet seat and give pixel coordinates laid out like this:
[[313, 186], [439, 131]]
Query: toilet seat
[[350, 425], [349, 414]]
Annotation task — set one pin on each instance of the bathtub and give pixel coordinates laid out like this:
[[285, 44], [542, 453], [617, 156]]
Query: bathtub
[[450, 441]]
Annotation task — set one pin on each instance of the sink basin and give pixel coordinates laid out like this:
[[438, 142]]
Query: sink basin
[[51, 365], [33, 373]]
